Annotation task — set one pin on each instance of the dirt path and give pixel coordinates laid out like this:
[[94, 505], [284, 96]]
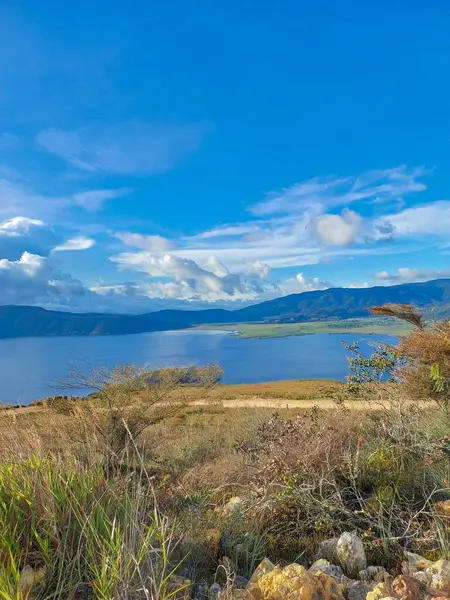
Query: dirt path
[[239, 402]]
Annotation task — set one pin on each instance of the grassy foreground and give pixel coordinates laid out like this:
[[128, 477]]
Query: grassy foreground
[[364, 326], [152, 488]]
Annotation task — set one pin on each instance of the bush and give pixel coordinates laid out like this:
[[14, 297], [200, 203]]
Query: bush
[[129, 399]]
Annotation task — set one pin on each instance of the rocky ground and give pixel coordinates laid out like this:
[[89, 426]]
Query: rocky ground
[[340, 572]]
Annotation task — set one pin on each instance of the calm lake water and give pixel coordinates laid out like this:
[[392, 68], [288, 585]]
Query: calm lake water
[[29, 367]]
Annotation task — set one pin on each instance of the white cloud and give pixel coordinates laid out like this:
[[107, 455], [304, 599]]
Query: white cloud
[[295, 227], [214, 265], [190, 280], [126, 148], [258, 268], [17, 198], [18, 226], [432, 218], [93, 200], [300, 284], [373, 186], [77, 243], [33, 280], [410, 275], [20, 234], [338, 230], [150, 243]]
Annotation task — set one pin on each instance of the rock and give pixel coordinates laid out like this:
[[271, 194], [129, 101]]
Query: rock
[[241, 582], [373, 573], [381, 590], [319, 565], [406, 587], [295, 583], [440, 575], [234, 505], [358, 590], [265, 566], [422, 577], [179, 588], [415, 560], [351, 555], [214, 591], [326, 567], [327, 550]]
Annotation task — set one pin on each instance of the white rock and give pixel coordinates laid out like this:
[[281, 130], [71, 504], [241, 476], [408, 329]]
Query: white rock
[[440, 575], [422, 577], [351, 554]]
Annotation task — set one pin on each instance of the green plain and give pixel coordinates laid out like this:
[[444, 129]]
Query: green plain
[[272, 330]]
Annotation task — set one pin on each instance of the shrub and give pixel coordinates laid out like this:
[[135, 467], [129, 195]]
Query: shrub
[[127, 400]]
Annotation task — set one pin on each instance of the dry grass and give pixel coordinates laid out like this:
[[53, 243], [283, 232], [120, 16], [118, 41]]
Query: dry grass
[[302, 475]]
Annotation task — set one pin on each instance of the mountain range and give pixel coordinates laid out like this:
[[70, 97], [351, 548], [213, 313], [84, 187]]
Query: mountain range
[[333, 303]]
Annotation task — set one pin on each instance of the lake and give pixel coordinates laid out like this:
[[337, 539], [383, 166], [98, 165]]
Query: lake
[[30, 366]]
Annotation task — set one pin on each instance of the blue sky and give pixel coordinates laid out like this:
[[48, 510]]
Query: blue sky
[[170, 154]]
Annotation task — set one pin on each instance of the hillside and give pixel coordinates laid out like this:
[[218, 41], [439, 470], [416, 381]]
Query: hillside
[[336, 303], [345, 303]]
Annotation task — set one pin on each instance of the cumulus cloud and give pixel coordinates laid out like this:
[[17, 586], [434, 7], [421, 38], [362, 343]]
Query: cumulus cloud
[[77, 243], [338, 230], [136, 148], [432, 219], [18, 226], [33, 280], [191, 281], [300, 284], [258, 268], [21, 234]]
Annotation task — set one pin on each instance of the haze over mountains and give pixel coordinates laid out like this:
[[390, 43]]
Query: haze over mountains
[[333, 303]]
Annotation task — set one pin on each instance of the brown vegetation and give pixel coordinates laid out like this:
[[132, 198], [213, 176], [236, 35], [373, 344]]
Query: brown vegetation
[[196, 483]]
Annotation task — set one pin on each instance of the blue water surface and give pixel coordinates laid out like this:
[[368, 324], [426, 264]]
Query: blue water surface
[[29, 367]]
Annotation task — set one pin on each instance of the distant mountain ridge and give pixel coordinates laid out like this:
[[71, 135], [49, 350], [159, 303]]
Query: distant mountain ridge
[[334, 303]]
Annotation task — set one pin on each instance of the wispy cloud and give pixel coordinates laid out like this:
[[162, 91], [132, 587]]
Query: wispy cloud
[[333, 192], [93, 200], [149, 243], [77, 243], [136, 148], [410, 275], [291, 229]]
